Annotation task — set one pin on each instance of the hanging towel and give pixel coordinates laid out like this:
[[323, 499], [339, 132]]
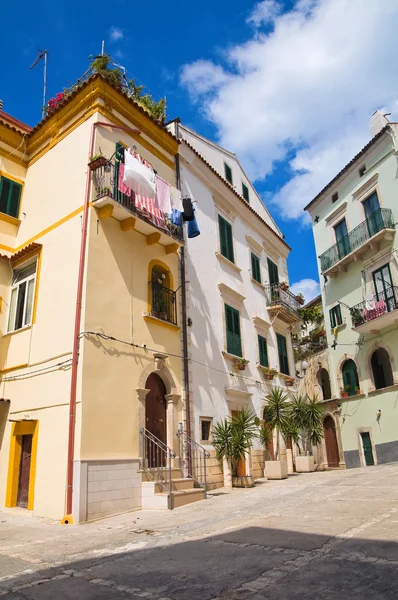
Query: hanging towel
[[176, 217], [139, 176], [192, 228], [176, 199], [149, 209], [121, 186], [163, 195], [188, 214]]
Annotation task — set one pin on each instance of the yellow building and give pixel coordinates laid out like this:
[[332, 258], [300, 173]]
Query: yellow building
[[90, 339]]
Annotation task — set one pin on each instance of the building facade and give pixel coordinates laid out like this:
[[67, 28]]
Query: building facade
[[354, 224]]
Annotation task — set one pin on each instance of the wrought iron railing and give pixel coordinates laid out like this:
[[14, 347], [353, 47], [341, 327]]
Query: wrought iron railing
[[106, 183], [374, 307], [163, 302], [157, 462], [379, 220], [192, 460], [278, 295]]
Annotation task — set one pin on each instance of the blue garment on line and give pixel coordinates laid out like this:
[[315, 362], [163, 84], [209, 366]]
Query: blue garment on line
[[176, 217], [192, 227]]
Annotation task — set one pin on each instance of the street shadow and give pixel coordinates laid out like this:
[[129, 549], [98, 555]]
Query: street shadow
[[256, 562]]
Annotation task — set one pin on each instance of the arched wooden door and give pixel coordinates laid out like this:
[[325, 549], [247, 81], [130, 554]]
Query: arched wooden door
[[332, 448], [156, 419]]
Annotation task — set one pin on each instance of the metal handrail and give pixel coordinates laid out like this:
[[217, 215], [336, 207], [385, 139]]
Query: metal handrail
[[196, 467], [157, 462], [382, 303], [381, 219], [106, 183], [277, 295], [163, 302]]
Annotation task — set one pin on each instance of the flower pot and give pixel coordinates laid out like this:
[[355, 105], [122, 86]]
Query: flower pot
[[241, 367], [289, 383], [269, 377], [358, 392], [244, 482], [101, 161], [305, 464], [276, 469], [344, 394]]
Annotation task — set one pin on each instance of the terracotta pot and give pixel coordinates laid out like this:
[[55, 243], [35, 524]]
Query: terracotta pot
[[97, 163], [269, 377], [344, 394], [289, 383], [241, 367], [358, 392]]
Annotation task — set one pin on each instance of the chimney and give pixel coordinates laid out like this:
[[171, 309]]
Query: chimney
[[377, 122]]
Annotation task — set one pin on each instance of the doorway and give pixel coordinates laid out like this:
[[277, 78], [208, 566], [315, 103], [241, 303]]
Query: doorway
[[24, 471], [22, 464], [381, 369], [342, 239], [332, 448], [156, 420], [383, 287], [367, 449], [324, 382], [374, 219], [350, 377]]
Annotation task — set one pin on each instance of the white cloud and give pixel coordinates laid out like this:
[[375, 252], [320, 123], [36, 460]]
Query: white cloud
[[116, 34], [264, 12], [303, 92], [308, 287]]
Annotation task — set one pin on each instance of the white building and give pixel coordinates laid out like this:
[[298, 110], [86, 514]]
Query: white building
[[236, 307]]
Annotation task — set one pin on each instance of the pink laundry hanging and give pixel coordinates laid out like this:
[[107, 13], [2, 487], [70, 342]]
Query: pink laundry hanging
[[121, 186], [163, 195], [149, 209]]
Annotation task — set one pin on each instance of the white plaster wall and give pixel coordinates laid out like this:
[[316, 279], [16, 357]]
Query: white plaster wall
[[209, 370]]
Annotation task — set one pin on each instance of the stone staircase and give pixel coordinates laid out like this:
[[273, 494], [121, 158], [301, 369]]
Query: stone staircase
[[155, 495]]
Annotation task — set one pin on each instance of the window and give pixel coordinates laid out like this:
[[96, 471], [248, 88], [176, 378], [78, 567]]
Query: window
[[273, 272], [232, 328], [228, 173], [163, 299], [362, 170], [256, 272], [22, 296], [205, 429], [335, 316], [226, 243], [262, 351], [350, 377], [335, 197], [10, 195], [282, 352], [381, 369], [245, 192]]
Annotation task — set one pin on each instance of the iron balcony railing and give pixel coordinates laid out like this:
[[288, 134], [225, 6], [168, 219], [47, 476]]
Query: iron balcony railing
[[157, 462], [376, 306], [277, 295], [377, 221], [192, 460], [163, 302], [106, 183]]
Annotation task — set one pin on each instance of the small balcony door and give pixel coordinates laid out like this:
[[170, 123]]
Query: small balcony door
[[343, 242], [374, 219], [383, 286]]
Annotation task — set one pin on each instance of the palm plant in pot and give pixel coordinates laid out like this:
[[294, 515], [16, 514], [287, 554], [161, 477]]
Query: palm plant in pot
[[306, 414], [232, 439], [276, 414]]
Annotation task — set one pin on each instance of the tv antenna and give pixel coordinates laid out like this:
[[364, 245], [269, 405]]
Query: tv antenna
[[42, 54]]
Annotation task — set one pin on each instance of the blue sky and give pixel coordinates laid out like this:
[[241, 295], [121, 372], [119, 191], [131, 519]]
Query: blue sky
[[283, 84]]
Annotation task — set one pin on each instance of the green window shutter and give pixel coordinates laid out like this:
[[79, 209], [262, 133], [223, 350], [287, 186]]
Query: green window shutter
[[10, 196], [263, 351], [338, 315], [256, 273], [273, 272], [335, 316], [226, 242], [245, 192], [228, 173], [232, 326], [282, 352], [332, 318], [120, 150]]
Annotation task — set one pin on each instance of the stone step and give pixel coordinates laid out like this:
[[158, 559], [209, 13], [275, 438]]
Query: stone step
[[175, 474], [159, 500], [178, 484], [184, 497]]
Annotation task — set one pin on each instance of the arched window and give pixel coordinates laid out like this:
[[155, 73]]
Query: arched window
[[162, 296], [350, 377], [381, 369], [324, 383]]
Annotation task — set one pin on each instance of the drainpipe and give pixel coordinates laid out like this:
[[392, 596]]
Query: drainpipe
[[68, 518], [184, 316]]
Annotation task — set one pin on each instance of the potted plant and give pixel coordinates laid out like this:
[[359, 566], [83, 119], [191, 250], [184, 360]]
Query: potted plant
[[97, 160], [103, 191], [300, 299], [268, 373], [240, 364], [289, 381], [232, 439], [284, 285], [357, 390], [306, 416], [276, 414], [345, 392]]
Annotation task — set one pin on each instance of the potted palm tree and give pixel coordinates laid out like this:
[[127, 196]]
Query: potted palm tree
[[306, 415], [276, 414]]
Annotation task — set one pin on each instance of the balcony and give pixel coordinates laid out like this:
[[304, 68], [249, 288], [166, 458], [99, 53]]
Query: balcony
[[163, 303], [112, 202], [366, 236], [282, 304], [376, 313]]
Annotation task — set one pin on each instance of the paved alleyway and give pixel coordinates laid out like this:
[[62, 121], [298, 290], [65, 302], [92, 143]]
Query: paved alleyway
[[327, 536]]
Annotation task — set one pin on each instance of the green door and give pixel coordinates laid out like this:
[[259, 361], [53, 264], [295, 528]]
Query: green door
[[383, 286], [367, 449], [350, 377]]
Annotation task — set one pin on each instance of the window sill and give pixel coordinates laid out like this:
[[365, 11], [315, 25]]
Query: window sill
[[385, 390], [257, 283], [150, 318], [233, 266], [231, 356], [8, 219], [9, 333], [339, 327]]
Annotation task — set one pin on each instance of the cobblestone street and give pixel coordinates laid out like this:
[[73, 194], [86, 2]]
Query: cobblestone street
[[321, 535]]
